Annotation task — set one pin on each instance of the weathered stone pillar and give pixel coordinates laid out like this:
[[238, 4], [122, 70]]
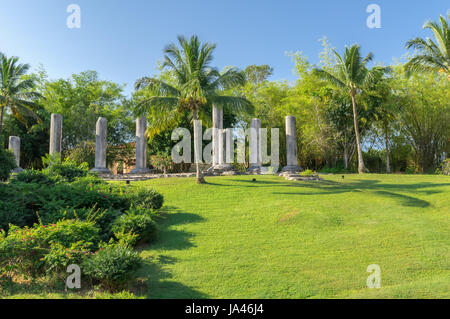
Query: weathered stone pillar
[[56, 123], [255, 146], [291, 146], [141, 147], [100, 147], [14, 146], [217, 126]]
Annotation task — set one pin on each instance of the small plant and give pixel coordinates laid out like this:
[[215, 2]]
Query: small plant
[[148, 199], [113, 266], [161, 162], [137, 221], [32, 176], [308, 172]]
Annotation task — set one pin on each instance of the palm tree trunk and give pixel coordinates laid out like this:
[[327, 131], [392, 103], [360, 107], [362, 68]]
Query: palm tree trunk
[[197, 149], [386, 140], [1, 122], [361, 167]]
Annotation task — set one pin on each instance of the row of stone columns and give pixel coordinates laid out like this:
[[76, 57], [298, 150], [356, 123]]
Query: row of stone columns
[[222, 148], [221, 145], [56, 124]]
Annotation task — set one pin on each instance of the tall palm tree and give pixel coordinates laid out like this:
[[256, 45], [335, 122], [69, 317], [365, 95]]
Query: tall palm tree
[[351, 73], [197, 86], [15, 92], [432, 55]]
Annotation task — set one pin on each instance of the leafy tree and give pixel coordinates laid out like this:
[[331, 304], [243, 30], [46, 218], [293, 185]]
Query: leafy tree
[[16, 93], [257, 74], [424, 114], [352, 73], [433, 56], [81, 100], [197, 87]]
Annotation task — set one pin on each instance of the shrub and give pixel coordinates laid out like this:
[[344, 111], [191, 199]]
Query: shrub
[[137, 221], [114, 266], [308, 172], [149, 199], [444, 168], [66, 170], [31, 250], [32, 176], [161, 162], [7, 164]]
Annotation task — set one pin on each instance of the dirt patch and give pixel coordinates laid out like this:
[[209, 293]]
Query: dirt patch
[[288, 216]]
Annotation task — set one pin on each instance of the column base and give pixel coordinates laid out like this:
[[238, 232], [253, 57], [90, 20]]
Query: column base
[[220, 168], [254, 170], [101, 170], [292, 169], [140, 171]]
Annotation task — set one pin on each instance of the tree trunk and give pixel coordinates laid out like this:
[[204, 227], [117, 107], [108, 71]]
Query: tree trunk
[[386, 140], [1, 122], [197, 149], [361, 167]]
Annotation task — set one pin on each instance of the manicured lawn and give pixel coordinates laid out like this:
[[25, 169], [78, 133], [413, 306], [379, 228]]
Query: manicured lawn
[[234, 238]]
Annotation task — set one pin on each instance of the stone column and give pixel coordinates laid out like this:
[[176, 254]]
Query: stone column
[[291, 146], [56, 123], [255, 146], [141, 147], [100, 147], [217, 126], [14, 146]]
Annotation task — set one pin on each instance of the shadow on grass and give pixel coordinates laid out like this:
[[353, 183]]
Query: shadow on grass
[[173, 239], [154, 271], [373, 186], [159, 284]]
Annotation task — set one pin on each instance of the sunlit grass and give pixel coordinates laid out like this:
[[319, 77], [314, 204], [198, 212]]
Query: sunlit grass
[[234, 238]]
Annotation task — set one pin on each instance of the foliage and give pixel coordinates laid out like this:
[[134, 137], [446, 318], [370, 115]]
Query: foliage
[[27, 248], [161, 162], [308, 172], [432, 55], [33, 176], [113, 265], [136, 221], [444, 168], [7, 164], [16, 93], [146, 198]]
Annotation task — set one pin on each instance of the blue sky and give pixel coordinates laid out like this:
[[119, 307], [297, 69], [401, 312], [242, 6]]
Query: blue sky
[[123, 40]]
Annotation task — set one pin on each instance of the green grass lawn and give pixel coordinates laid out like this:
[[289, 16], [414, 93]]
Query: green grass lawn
[[234, 238]]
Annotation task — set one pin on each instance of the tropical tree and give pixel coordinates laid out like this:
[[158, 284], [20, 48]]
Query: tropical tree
[[432, 55], [351, 73], [16, 92], [196, 87]]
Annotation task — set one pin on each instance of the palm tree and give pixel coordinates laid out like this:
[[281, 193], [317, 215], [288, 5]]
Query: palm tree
[[351, 73], [197, 86], [432, 55], [15, 92]]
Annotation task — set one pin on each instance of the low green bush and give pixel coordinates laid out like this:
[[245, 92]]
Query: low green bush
[[137, 221], [145, 198], [47, 247], [7, 164], [32, 176], [113, 266]]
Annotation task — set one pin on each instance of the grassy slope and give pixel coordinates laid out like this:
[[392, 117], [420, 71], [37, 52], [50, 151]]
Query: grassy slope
[[276, 239]]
